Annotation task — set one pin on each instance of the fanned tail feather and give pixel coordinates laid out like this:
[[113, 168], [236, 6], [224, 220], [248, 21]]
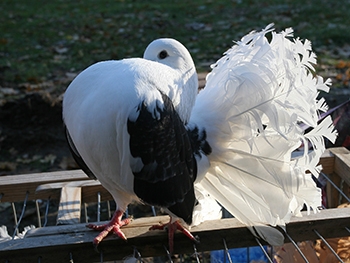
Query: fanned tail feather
[[255, 98], [206, 208]]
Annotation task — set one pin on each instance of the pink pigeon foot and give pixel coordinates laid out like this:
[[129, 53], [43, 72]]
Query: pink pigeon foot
[[113, 226], [172, 227]]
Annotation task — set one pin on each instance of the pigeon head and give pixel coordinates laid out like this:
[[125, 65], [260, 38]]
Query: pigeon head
[[172, 53]]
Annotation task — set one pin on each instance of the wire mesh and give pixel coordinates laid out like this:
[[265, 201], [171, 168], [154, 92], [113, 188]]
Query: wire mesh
[[21, 216], [38, 211], [329, 246], [46, 211], [335, 186], [297, 247], [227, 252], [264, 251]]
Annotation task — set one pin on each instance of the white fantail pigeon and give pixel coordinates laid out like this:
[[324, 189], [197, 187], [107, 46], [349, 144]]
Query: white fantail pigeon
[[137, 126]]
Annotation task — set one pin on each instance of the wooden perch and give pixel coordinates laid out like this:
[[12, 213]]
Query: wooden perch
[[89, 190], [44, 185], [14, 187], [59, 243]]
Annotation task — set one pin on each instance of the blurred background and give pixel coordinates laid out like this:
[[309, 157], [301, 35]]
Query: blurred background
[[45, 44]]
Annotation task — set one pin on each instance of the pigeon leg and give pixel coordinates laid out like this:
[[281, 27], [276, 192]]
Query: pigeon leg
[[113, 226], [172, 227]]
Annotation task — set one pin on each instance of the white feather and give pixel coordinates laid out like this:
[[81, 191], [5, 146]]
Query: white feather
[[255, 96], [206, 208]]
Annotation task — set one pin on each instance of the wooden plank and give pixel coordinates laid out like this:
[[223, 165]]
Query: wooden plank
[[90, 188], [327, 162], [340, 171], [14, 187], [332, 193], [56, 244], [342, 163], [69, 206], [136, 224], [330, 223]]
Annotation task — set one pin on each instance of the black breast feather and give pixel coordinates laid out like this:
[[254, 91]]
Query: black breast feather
[[169, 168]]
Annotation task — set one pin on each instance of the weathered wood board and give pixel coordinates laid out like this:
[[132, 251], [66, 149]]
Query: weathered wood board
[[60, 243]]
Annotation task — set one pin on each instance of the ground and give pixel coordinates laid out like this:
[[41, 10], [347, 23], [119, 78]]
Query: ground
[[44, 45], [32, 138]]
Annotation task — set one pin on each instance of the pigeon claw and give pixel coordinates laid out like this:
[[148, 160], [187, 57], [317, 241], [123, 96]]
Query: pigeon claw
[[172, 227], [185, 231], [113, 226]]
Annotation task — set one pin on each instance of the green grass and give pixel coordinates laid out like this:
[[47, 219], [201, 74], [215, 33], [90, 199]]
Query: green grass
[[43, 40]]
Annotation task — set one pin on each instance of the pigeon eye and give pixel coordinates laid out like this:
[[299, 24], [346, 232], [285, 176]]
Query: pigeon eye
[[163, 54]]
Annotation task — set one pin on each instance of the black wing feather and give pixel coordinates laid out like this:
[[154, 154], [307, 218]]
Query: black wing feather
[[169, 168], [77, 156]]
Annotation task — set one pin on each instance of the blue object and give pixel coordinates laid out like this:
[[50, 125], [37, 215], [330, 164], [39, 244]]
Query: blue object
[[239, 255]]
